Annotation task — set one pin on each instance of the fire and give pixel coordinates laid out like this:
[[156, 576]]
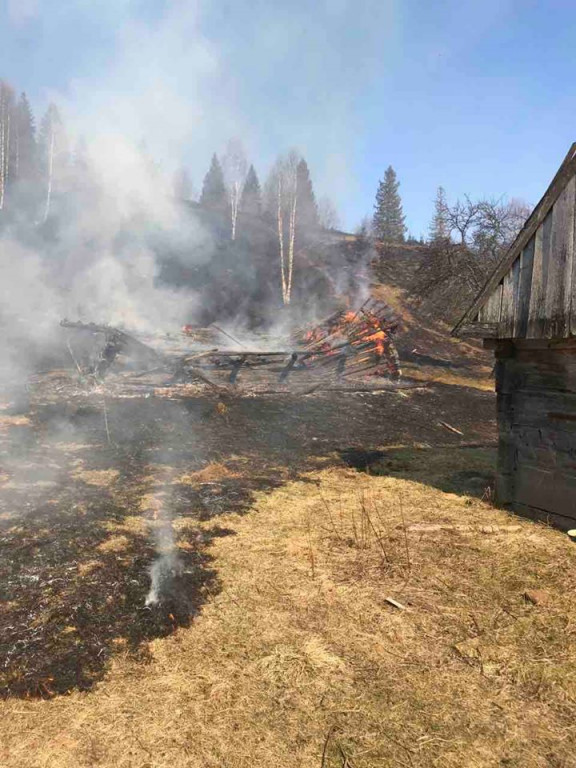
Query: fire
[[365, 334]]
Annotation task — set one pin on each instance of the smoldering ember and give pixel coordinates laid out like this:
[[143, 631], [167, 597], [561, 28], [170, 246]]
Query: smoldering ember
[[279, 485]]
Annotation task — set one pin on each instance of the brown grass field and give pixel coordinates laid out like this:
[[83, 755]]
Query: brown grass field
[[353, 599], [300, 660]]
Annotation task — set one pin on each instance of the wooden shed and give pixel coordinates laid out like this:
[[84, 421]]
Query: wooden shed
[[526, 313]]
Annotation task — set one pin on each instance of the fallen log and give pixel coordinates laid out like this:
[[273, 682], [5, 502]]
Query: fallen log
[[116, 342]]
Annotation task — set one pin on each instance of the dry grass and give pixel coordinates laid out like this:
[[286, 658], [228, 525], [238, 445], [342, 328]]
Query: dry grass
[[301, 653], [212, 472], [99, 477], [481, 380]]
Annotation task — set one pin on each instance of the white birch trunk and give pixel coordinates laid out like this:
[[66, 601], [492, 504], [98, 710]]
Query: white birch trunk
[[234, 203], [292, 240], [50, 174], [4, 148], [281, 239]]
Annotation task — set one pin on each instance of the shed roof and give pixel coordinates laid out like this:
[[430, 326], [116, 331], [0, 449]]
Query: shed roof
[[530, 292]]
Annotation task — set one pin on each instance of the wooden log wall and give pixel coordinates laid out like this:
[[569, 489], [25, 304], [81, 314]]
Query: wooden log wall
[[536, 386]]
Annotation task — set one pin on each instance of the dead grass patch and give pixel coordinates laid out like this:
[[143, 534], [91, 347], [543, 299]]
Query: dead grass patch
[[481, 380], [102, 478], [210, 473], [14, 421], [114, 544], [300, 654]]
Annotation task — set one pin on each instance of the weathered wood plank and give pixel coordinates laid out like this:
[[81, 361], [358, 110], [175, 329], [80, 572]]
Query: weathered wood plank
[[525, 286], [536, 454], [546, 258], [563, 175], [537, 289], [559, 264], [567, 344], [563, 522], [506, 327], [479, 330], [553, 492], [547, 438], [539, 409], [542, 370], [490, 312]]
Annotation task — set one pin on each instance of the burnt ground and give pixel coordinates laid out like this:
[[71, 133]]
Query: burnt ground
[[89, 479]]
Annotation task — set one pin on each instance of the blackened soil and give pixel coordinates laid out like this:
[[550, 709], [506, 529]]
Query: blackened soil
[[77, 537]]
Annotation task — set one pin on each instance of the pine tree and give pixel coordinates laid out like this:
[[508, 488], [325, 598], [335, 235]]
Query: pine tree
[[251, 200], [307, 208], [388, 220], [214, 194], [439, 227], [26, 158]]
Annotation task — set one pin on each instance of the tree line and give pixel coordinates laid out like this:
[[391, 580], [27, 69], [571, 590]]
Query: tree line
[[465, 240], [34, 164]]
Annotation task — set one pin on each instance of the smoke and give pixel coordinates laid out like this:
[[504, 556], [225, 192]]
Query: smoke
[[170, 94]]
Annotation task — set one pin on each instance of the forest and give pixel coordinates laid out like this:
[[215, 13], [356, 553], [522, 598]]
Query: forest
[[244, 250]]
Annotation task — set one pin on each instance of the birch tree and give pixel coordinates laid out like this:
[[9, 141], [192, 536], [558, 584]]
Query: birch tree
[[6, 139], [234, 166], [54, 157], [281, 200], [327, 214]]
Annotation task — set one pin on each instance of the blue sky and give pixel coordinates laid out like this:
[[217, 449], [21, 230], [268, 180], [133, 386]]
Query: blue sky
[[475, 96]]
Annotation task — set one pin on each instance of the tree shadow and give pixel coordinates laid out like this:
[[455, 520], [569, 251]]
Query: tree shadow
[[465, 470]]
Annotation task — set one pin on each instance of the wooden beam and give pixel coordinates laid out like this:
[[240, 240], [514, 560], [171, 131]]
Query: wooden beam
[[558, 183], [479, 330]]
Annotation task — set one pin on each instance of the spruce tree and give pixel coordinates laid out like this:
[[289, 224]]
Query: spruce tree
[[251, 199], [388, 219], [307, 208], [26, 159], [214, 193], [439, 227]]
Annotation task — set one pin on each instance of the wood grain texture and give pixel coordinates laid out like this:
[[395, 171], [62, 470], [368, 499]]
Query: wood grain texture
[[506, 326], [536, 415], [557, 185], [524, 290], [559, 265]]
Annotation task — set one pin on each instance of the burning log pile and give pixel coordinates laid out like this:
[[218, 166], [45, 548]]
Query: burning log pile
[[361, 340], [348, 345]]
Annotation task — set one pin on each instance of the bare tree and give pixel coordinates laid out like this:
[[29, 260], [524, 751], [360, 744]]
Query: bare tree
[[182, 185], [327, 214], [462, 218], [453, 272], [234, 166], [497, 225]]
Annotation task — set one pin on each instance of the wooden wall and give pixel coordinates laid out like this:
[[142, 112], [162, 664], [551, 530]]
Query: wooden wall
[[534, 298], [536, 386]]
